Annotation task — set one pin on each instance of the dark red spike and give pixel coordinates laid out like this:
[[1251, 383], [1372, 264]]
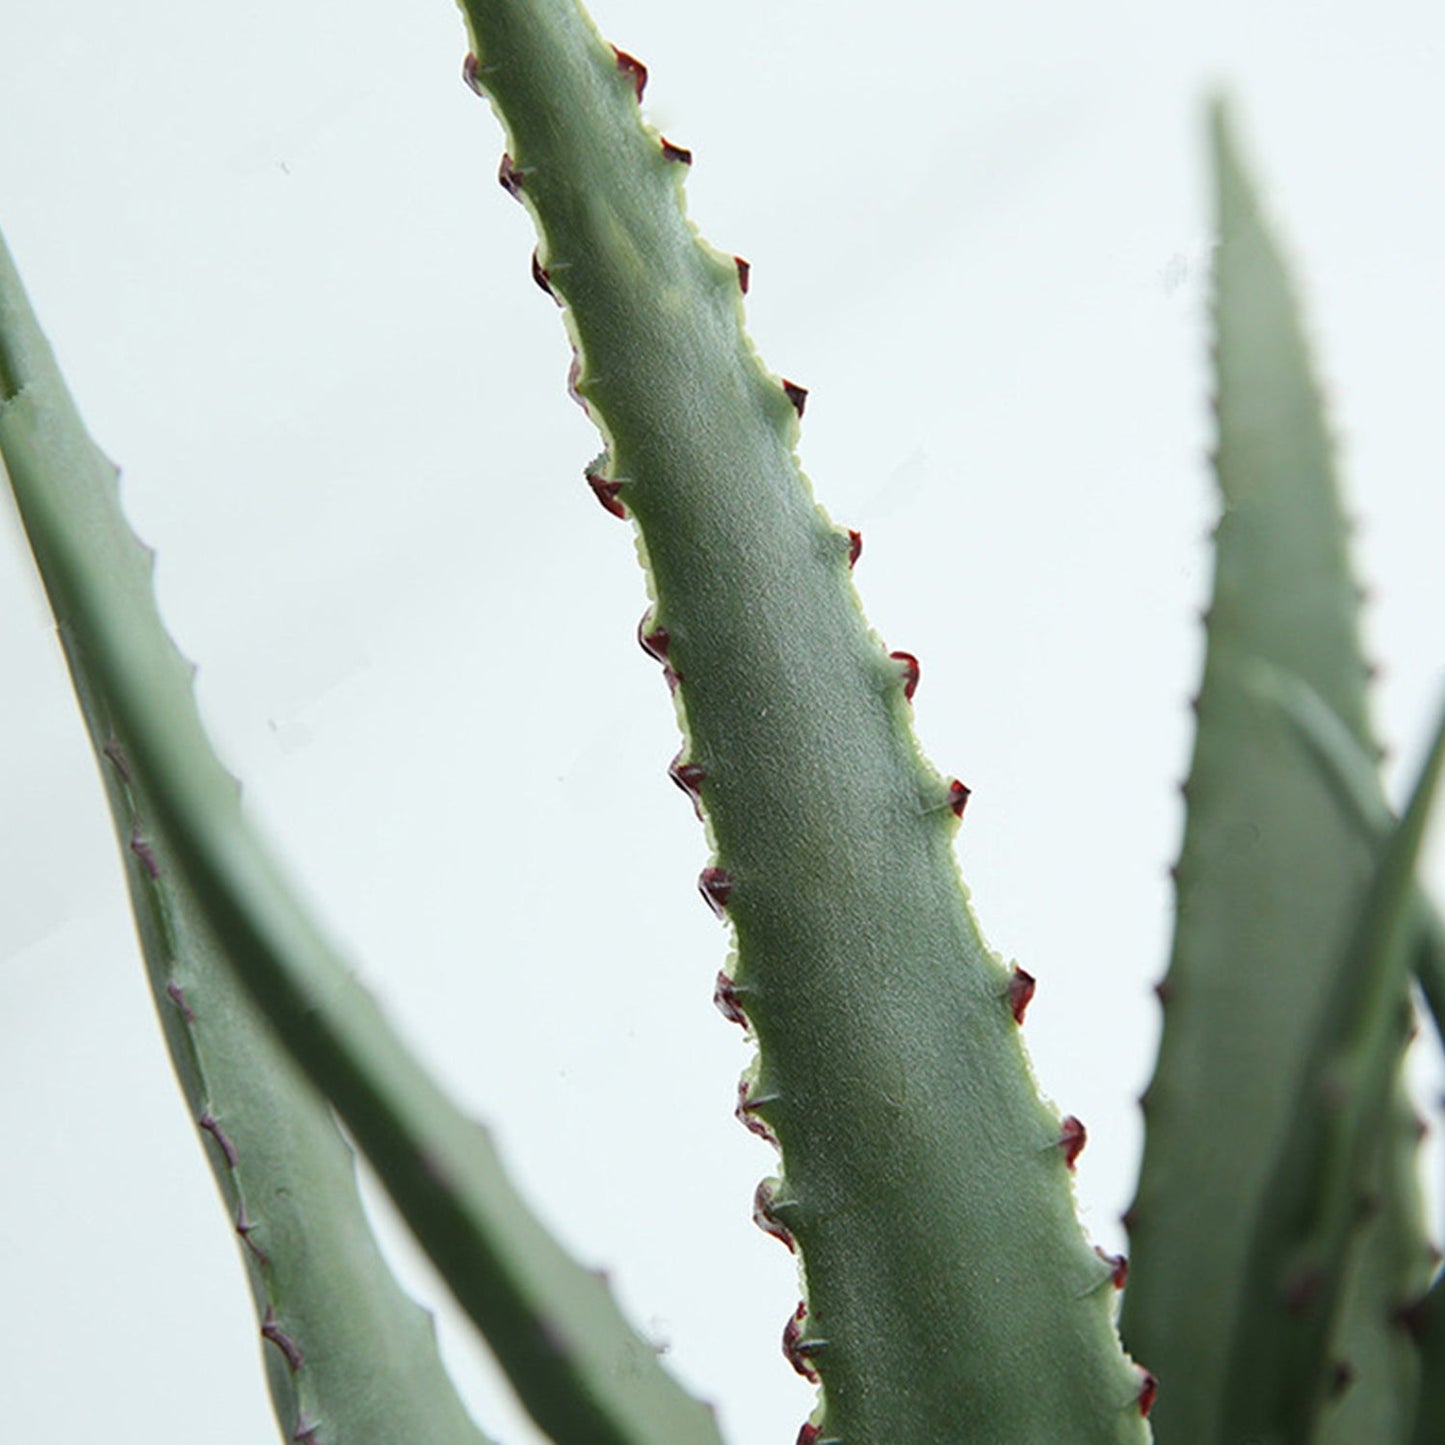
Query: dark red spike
[[766, 1220], [1414, 1317], [606, 490], [146, 854], [1020, 993], [1162, 991], [744, 269], [809, 1435], [689, 777], [471, 76], [1118, 1267], [270, 1330], [1342, 1376], [209, 1124], [716, 885], [1303, 1291], [681, 154], [855, 547], [631, 65], [574, 379], [798, 395], [729, 1005], [794, 1347], [910, 672], [244, 1228], [112, 750], [958, 796], [509, 177], [746, 1114], [654, 641], [305, 1433], [1072, 1138], [543, 278], [1148, 1393], [177, 996]]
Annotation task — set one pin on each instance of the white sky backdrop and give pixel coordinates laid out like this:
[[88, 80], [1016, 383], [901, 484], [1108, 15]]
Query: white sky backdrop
[[293, 302]]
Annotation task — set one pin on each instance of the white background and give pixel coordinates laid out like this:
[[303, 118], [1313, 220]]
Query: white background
[[293, 303]]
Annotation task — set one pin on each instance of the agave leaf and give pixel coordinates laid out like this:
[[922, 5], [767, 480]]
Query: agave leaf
[[581, 1371], [1284, 1368], [1272, 873]]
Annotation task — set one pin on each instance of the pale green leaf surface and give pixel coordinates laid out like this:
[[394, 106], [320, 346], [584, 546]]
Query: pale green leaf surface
[[582, 1372]]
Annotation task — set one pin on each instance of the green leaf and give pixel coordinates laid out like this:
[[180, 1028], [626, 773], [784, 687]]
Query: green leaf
[[1284, 1370], [951, 1293], [1271, 874], [581, 1371]]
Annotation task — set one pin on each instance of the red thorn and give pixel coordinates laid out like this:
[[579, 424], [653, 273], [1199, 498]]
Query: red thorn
[[178, 997], [146, 854], [689, 777], [1162, 991], [681, 154], [958, 796], [795, 1348], [305, 1434], [743, 270], [543, 278], [746, 1114], [208, 1123], [716, 885], [653, 642], [1072, 1138], [1414, 1317], [509, 177], [798, 395], [631, 65], [470, 75], [725, 996], [855, 547], [605, 489], [270, 1330], [1303, 1291], [574, 377], [809, 1435], [1118, 1267], [1020, 993], [766, 1220], [1148, 1392], [113, 751], [910, 673], [244, 1228]]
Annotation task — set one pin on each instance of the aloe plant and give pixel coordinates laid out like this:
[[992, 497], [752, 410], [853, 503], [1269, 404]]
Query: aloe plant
[[924, 1182]]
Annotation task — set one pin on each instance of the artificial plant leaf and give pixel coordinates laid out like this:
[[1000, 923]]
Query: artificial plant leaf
[[1284, 1370], [1271, 874], [349, 1356], [576, 1364], [951, 1293]]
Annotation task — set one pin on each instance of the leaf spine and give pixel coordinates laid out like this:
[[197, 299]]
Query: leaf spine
[[606, 489], [630, 65], [1072, 1138], [908, 665], [1021, 987], [716, 886]]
